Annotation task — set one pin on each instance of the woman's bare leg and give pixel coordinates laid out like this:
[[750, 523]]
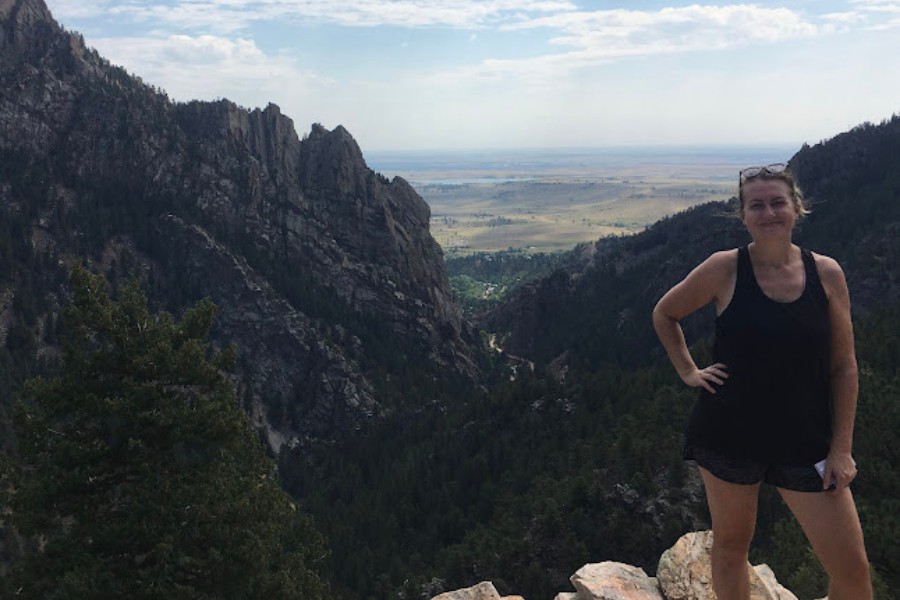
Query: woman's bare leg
[[831, 523], [733, 510]]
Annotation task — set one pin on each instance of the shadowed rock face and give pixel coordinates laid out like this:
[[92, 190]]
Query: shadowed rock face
[[231, 203], [20, 18]]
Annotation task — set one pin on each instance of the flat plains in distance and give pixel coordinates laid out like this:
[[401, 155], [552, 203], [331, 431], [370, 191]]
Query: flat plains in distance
[[551, 200]]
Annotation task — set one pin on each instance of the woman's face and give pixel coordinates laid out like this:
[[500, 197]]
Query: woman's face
[[769, 209]]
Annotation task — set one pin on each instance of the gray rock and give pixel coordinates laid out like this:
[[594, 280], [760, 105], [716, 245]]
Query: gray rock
[[483, 591], [614, 581], [684, 574], [779, 592], [685, 571]]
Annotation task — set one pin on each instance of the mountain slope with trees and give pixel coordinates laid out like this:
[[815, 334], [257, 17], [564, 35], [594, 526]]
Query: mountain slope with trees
[[323, 270], [139, 472], [353, 356], [596, 311], [582, 462]]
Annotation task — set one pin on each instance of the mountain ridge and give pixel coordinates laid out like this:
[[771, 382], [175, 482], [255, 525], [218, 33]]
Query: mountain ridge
[[98, 163]]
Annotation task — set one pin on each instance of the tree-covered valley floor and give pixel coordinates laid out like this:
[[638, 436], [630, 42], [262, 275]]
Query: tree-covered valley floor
[[527, 483], [128, 481]]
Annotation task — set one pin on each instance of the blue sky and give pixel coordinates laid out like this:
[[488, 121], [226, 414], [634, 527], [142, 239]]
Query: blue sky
[[455, 74]]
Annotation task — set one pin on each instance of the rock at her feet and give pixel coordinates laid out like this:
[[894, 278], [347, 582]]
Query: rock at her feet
[[768, 576], [614, 581], [685, 571], [483, 591]]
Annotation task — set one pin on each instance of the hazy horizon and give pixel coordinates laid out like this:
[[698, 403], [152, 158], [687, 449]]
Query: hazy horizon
[[546, 161]]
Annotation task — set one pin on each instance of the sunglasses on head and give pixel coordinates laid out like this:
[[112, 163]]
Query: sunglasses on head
[[754, 171]]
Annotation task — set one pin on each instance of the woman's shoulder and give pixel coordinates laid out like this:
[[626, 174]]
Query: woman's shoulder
[[827, 266], [718, 272], [830, 273], [723, 262]]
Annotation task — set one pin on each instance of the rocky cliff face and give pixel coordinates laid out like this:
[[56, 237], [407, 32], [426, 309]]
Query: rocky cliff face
[[320, 266]]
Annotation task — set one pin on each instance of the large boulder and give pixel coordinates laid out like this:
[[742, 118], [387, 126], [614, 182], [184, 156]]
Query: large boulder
[[483, 591], [614, 581], [768, 576], [685, 571]]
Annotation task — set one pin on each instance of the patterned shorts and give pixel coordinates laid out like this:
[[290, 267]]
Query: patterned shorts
[[748, 472]]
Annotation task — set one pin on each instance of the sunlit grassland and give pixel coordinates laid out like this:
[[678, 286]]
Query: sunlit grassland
[[556, 211]]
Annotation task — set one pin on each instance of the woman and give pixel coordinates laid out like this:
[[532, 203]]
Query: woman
[[781, 395]]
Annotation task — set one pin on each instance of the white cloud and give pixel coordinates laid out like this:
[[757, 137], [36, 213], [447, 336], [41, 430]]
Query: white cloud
[[882, 14], [691, 26], [207, 67], [193, 16], [843, 22], [226, 16], [556, 97], [77, 9], [610, 35], [848, 18]]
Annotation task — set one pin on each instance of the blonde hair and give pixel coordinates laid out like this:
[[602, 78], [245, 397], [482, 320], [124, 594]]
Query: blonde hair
[[788, 178]]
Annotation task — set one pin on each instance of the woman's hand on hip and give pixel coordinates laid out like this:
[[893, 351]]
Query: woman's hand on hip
[[840, 466], [702, 377]]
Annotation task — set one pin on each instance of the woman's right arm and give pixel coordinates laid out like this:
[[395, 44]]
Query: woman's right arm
[[709, 281]]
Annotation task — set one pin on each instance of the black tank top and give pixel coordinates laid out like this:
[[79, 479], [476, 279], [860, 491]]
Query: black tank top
[[775, 405]]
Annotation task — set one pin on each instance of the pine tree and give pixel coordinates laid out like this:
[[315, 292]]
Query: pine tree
[[139, 473]]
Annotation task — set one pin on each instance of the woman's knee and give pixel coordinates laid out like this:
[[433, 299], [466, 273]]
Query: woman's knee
[[732, 546], [853, 569]]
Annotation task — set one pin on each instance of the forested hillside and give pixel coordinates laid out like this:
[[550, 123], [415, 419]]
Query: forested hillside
[[325, 272], [527, 484], [594, 313], [484, 280], [354, 360], [138, 476]]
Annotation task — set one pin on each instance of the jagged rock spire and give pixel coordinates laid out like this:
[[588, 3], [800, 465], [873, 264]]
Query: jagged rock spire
[[19, 17], [301, 245]]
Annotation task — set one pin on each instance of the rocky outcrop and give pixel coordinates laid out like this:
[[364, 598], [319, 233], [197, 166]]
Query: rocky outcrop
[[483, 591], [290, 354], [779, 592], [20, 19], [684, 573], [322, 269], [614, 581]]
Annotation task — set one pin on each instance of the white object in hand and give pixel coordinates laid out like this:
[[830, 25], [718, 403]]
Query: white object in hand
[[820, 467]]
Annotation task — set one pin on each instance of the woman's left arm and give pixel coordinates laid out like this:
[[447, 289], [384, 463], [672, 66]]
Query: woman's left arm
[[844, 380]]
